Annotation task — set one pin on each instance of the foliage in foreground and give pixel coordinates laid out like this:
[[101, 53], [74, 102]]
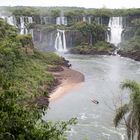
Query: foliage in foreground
[[130, 112], [23, 79]]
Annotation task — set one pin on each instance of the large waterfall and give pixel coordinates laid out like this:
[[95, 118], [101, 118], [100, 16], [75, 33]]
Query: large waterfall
[[60, 41], [9, 19], [116, 27], [23, 28], [23, 21], [31, 31]]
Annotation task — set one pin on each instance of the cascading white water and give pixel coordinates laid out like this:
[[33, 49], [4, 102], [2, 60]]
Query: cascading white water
[[116, 28], [45, 20], [58, 20], [31, 31], [30, 20], [22, 25], [3, 17], [61, 20], [89, 20], [64, 41], [60, 41], [11, 20], [84, 19], [23, 28], [97, 19]]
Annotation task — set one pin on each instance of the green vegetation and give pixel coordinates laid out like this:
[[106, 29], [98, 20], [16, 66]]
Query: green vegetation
[[130, 46], [133, 32], [130, 112], [25, 40], [24, 85], [45, 28], [71, 11], [23, 11], [91, 32], [133, 44], [100, 47]]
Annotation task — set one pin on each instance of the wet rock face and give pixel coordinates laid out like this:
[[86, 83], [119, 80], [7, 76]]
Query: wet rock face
[[131, 54]]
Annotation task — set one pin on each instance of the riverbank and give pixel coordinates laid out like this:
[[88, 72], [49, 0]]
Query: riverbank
[[68, 79], [110, 50], [130, 54]]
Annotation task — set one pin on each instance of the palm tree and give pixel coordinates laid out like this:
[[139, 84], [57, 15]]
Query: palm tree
[[130, 112]]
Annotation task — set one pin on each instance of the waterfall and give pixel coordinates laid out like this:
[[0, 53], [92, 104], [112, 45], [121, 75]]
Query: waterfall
[[97, 20], [50, 39], [64, 41], [116, 28], [61, 20], [58, 21], [31, 31], [84, 19], [3, 17], [22, 25], [30, 20], [23, 22], [45, 20], [11, 21], [89, 20], [60, 41]]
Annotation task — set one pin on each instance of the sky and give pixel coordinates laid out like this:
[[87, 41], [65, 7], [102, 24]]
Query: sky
[[77, 3]]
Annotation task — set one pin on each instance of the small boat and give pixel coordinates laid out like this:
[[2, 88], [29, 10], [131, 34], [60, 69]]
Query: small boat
[[94, 101]]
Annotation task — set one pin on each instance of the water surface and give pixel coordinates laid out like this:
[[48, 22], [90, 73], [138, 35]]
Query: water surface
[[103, 75]]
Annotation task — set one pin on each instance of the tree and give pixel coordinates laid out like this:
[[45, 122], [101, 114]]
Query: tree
[[26, 41], [55, 13], [130, 112], [24, 11], [91, 32], [20, 121], [24, 82], [7, 31]]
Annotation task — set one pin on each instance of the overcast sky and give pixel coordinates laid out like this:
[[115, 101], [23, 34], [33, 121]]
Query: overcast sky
[[77, 3]]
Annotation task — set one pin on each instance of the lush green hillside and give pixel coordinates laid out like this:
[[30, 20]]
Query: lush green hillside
[[24, 85]]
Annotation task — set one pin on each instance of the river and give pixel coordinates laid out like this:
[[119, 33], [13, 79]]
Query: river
[[103, 75]]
